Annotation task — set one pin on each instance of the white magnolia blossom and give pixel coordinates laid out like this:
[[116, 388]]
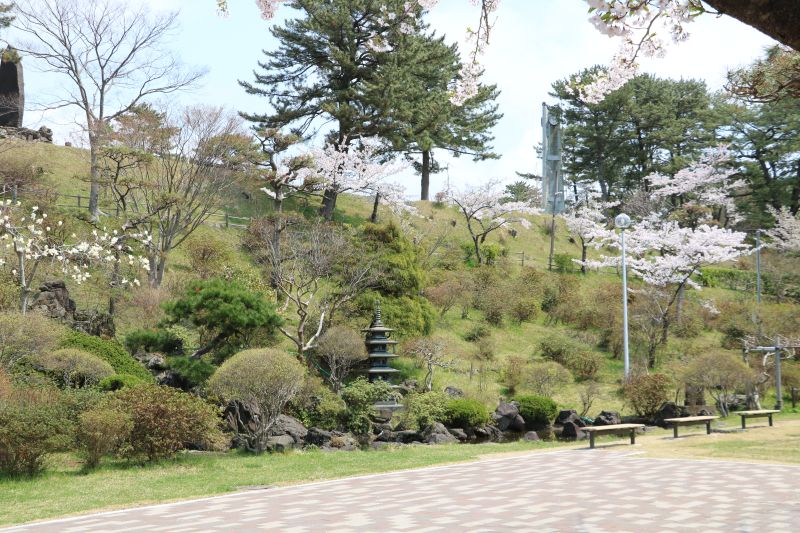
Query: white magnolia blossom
[[662, 253], [640, 25], [29, 241], [786, 233], [707, 182]]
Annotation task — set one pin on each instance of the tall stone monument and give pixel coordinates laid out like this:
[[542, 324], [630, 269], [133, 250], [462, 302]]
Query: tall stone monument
[[552, 176], [12, 89]]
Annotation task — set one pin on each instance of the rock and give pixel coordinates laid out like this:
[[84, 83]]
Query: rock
[[93, 323], [288, 425], [607, 418], [280, 443], [441, 438], [546, 433], [454, 392], [409, 435], [386, 436], [486, 434], [157, 362], [343, 441], [53, 301], [318, 437], [459, 433], [568, 415], [12, 89], [408, 386], [531, 436], [669, 410], [572, 431], [507, 417]]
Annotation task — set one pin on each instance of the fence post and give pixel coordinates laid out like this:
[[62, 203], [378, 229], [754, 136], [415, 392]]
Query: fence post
[[227, 222], [794, 396], [14, 193], [79, 201]]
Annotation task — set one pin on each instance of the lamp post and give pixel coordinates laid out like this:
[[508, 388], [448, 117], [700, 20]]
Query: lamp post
[[623, 221]]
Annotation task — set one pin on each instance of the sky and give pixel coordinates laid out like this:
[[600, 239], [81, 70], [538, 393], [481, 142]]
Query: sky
[[533, 44]]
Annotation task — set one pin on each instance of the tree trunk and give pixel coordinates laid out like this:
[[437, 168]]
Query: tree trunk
[[374, 217], [583, 256], [94, 173], [475, 242], [425, 182], [777, 18], [328, 204]]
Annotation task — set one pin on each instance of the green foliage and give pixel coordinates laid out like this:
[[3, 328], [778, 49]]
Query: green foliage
[[411, 316], [545, 377], [576, 356], [207, 254], [119, 381], [538, 411], [423, 409], [316, 405], [33, 423], [191, 372], [647, 392], [477, 332], [514, 372], [263, 377], [22, 336], [359, 396], [165, 420], [72, 367], [162, 341], [225, 311], [466, 413], [402, 274], [563, 263], [102, 431], [110, 351]]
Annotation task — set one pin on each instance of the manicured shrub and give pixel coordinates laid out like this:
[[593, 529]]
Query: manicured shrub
[[225, 311], [262, 377], [466, 413], [102, 431], [423, 409], [161, 341], [109, 351], [538, 411], [165, 420], [33, 423], [341, 349], [25, 335], [72, 367], [360, 395], [545, 377], [647, 392], [119, 381]]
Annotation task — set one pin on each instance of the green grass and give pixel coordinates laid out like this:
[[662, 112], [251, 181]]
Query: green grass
[[64, 490]]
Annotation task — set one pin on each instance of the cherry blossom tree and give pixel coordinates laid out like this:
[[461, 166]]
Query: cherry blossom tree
[[485, 211], [786, 233], [34, 243], [705, 185], [588, 222]]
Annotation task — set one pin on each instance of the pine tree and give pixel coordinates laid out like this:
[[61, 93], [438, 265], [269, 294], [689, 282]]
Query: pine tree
[[328, 67]]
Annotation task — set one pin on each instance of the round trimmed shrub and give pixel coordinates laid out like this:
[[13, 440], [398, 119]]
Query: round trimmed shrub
[[466, 413], [423, 409], [72, 367], [100, 432], [109, 351], [538, 411]]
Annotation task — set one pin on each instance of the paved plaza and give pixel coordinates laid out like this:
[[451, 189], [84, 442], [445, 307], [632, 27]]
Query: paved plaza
[[571, 490]]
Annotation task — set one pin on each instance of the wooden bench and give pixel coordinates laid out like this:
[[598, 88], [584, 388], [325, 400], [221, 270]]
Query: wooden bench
[[612, 429], [757, 414], [690, 421]]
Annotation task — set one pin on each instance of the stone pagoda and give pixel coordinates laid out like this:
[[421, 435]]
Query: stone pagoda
[[378, 343]]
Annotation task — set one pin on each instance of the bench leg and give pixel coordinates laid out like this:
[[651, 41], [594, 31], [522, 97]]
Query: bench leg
[[708, 427], [744, 425], [633, 436], [591, 439], [770, 420], [675, 431]]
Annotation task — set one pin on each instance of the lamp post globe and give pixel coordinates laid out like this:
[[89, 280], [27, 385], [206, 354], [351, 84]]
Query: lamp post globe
[[622, 221]]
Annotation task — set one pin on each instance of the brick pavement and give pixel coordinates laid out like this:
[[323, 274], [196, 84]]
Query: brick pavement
[[570, 490]]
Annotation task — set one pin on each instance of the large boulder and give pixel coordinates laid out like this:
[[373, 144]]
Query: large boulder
[[409, 435], [607, 418], [669, 410], [342, 441], [53, 300], [280, 443], [436, 433], [531, 436], [318, 437], [459, 433], [572, 431], [569, 415], [487, 433], [507, 417], [454, 392], [288, 425]]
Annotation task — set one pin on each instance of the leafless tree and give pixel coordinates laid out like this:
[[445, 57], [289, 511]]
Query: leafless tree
[[431, 353], [341, 349], [110, 55], [319, 269]]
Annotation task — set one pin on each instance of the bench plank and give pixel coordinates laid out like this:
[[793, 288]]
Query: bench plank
[[690, 421]]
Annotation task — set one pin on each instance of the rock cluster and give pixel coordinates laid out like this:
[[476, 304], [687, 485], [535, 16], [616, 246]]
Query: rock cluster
[[53, 300]]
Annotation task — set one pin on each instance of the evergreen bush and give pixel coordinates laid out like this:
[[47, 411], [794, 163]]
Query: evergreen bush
[[538, 411], [466, 413]]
